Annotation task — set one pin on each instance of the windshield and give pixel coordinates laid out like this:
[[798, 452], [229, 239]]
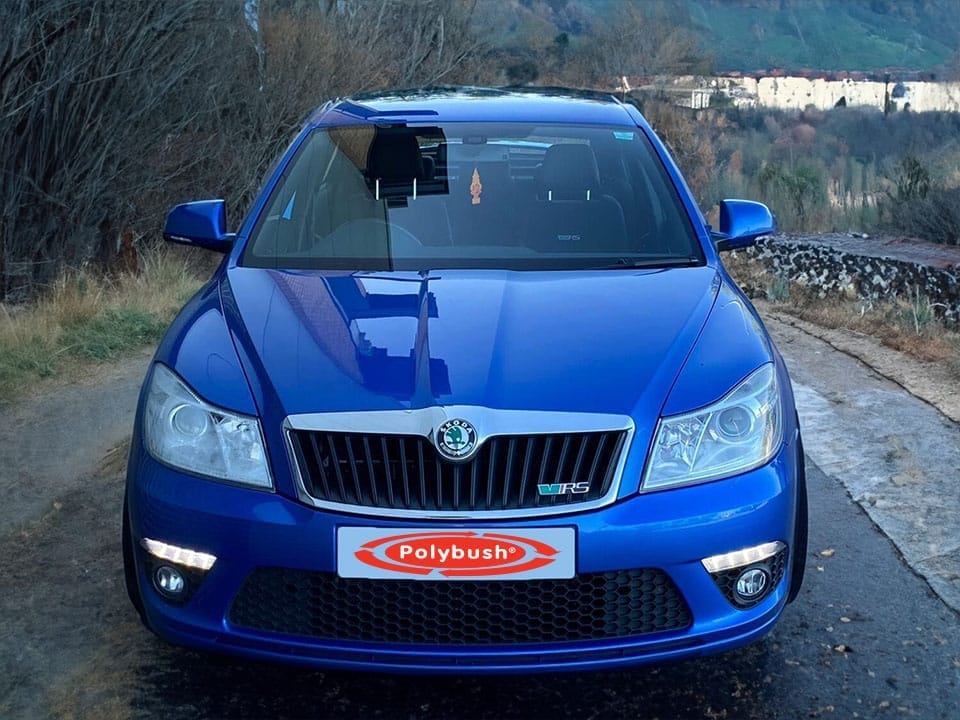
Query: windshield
[[460, 195]]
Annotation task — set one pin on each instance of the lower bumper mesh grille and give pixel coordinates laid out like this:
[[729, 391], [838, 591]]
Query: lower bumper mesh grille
[[587, 607]]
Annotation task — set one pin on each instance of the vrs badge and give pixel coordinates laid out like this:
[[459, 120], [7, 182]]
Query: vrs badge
[[456, 439], [564, 488]]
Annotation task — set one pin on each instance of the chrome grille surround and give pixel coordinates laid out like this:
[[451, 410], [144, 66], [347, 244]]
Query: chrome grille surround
[[488, 422]]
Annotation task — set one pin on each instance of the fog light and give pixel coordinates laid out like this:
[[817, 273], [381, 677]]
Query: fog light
[[751, 584], [180, 556], [742, 558], [169, 581], [748, 576]]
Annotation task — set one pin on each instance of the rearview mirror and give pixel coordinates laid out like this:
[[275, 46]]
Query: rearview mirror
[[202, 223], [741, 223]]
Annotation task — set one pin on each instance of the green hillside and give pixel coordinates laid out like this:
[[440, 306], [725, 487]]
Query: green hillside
[[794, 34], [827, 34]]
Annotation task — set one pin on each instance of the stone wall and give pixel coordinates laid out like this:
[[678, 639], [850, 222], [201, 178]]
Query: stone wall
[[870, 269]]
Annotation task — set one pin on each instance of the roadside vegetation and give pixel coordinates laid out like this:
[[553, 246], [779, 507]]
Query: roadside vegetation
[[907, 324], [86, 318]]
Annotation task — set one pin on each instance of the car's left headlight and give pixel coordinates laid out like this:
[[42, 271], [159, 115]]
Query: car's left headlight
[[739, 432], [182, 430]]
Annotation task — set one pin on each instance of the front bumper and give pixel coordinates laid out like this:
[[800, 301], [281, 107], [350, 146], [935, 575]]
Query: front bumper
[[669, 531]]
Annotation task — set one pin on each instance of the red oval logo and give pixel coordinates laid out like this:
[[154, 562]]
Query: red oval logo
[[456, 554]]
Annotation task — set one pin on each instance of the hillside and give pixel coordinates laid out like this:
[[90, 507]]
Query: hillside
[[827, 34], [747, 35]]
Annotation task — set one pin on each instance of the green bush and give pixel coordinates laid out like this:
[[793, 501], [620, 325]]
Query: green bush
[[792, 191]]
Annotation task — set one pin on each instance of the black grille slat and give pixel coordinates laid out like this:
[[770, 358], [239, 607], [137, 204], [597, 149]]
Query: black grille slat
[[525, 472], [563, 458], [561, 463], [508, 469], [405, 472], [457, 477], [494, 445], [422, 474], [591, 477], [387, 470], [544, 464], [584, 441], [317, 459], [595, 606], [438, 472], [611, 472], [353, 469], [474, 470], [371, 477], [337, 469]]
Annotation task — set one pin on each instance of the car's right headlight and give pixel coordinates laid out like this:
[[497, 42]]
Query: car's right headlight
[[737, 433], [182, 430]]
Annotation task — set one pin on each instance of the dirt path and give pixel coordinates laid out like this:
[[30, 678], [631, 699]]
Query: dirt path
[[931, 382], [49, 441], [69, 601]]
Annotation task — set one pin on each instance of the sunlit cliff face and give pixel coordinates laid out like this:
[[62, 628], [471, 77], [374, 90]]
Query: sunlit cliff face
[[799, 92]]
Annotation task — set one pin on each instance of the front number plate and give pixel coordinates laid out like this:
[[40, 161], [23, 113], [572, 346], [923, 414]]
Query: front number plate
[[475, 554]]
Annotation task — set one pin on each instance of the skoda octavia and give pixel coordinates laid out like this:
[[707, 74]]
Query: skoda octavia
[[470, 391]]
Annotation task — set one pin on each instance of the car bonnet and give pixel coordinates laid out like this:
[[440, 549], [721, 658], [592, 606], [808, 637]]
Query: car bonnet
[[589, 341]]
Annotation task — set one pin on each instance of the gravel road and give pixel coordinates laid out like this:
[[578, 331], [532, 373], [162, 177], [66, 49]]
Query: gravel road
[[868, 636]]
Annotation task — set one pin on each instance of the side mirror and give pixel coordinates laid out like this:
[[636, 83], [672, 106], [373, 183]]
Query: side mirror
[[202, 223], [741, 223]]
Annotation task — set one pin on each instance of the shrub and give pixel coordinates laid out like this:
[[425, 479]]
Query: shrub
[[920, 208], [792, 191], [935, 217]]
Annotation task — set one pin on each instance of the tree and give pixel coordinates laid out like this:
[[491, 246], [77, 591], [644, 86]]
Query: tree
[[643, 39], [801, 185], [88, 91], [112, 111]]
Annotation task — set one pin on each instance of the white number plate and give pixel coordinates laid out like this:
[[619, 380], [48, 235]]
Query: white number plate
[[463, 554]]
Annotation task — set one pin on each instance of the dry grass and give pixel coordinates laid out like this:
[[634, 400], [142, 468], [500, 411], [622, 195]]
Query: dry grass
[[84, 318], [908, 325]]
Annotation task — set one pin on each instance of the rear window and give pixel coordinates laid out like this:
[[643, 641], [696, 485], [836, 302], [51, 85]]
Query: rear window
[[461, 195]]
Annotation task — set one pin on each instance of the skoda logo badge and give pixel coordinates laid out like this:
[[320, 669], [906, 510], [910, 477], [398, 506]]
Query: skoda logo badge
[[456, 439]]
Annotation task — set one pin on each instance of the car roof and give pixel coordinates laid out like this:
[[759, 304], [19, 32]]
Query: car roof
[[473, 104]]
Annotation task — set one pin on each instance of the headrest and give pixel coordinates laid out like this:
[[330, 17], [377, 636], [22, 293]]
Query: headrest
[[428, 167], [394, 157], [569, 168]]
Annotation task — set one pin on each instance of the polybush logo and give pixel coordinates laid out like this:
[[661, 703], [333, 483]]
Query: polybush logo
[[456, 554]]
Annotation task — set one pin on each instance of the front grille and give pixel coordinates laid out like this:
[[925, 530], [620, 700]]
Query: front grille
[[588, 607], [405, 472]]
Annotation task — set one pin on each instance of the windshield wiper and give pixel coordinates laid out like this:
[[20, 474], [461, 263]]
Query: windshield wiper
[[650, 263]]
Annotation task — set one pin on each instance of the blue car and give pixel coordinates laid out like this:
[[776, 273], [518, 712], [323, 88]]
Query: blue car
[[471, 391]]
